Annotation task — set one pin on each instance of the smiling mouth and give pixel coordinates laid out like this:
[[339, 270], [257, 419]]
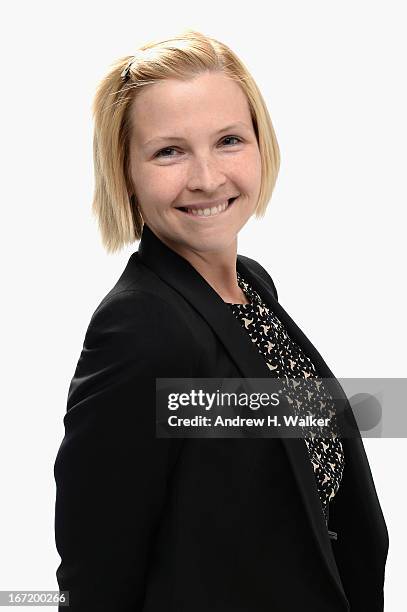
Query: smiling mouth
[[204, 213]]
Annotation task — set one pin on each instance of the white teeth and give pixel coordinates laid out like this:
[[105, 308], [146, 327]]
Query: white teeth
[[208, 212]]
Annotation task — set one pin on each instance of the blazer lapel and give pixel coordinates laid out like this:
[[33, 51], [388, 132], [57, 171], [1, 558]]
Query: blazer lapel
[[182, 276]]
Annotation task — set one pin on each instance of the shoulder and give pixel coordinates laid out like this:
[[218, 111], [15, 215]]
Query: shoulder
[[258, 269], [138, 321], [134, 310], [133, 334]]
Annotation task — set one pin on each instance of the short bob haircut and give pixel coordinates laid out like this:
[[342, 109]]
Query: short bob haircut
[[183, 57]]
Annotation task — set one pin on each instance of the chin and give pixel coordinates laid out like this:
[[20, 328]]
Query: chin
[[202, 240], [209, 243]]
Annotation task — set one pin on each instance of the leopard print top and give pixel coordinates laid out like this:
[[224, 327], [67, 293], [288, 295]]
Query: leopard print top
[[285, 357]]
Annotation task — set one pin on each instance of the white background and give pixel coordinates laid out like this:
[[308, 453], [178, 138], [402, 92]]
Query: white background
[[333, 76]]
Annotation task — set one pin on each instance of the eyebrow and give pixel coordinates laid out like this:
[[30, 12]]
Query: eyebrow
[[232, 126]]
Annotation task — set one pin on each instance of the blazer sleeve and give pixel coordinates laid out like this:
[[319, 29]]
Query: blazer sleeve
[[111, 472]]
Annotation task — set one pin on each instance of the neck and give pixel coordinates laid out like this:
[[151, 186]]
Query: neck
[[218, 268]]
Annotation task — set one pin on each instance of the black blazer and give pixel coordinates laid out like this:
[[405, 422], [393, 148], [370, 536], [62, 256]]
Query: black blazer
[[146, 524]]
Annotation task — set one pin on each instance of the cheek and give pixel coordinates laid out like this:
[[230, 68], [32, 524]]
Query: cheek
[[160, 184], [248, 170]]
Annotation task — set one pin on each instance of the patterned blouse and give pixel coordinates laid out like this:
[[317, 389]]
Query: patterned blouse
[[285, 357]]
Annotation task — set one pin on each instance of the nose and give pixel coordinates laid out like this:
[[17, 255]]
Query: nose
[[205, 174]]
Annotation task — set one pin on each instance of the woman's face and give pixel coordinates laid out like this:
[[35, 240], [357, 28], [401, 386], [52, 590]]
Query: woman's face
[[193, 143]]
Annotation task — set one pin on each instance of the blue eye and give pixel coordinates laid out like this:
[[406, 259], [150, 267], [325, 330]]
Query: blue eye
[[160, 153], [235, 137], [162, 150]]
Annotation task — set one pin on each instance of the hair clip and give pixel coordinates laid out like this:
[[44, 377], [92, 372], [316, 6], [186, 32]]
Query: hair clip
[[125, 72]]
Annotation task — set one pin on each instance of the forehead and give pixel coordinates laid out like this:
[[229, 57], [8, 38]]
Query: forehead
[[208, 101]]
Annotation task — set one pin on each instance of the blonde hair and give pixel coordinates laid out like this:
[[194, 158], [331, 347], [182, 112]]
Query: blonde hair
[[183, 57]]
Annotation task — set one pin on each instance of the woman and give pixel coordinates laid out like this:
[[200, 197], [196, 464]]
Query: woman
[[185, 153]]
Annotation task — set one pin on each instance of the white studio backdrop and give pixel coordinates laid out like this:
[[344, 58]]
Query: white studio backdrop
[[333, 78]]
